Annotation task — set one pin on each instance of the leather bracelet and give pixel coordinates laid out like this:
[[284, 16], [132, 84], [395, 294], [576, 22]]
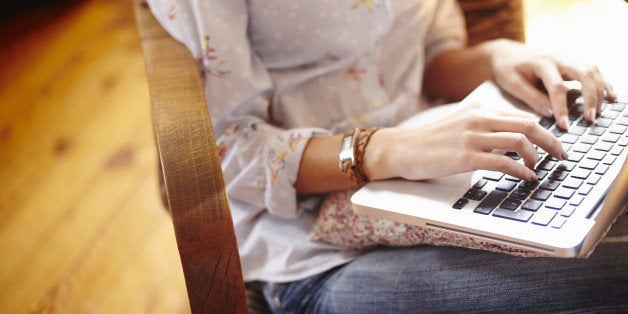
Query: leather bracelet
[[354, 167]]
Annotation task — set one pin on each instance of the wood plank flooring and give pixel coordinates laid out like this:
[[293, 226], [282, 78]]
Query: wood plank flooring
[[82, 228]]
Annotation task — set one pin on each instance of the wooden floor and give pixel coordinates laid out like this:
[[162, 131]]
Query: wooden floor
[[82, 228]]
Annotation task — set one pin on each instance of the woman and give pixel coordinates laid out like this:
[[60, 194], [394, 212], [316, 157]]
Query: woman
[[285, 80]]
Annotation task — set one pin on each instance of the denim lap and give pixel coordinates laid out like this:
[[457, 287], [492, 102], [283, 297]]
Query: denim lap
[[445, 279]]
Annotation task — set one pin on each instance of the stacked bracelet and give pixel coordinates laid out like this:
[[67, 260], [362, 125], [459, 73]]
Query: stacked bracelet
[[351, 154]]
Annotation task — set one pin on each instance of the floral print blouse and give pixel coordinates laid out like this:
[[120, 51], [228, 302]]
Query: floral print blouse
[[278, 72]]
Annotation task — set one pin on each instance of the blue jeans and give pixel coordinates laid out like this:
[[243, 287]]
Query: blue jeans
[[445, 279]]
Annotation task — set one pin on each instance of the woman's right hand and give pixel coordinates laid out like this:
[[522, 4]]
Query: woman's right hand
[[462, 142]]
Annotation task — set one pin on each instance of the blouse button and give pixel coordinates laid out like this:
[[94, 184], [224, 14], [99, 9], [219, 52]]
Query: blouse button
[[377, 102]]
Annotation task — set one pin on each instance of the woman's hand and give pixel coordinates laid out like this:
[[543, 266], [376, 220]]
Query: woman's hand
[[462, 142], [517, 68]]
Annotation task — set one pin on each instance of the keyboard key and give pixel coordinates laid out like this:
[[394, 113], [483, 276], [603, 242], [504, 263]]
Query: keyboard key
[[520, 194], [594, 179], [575, 157], [493, 175], [459, 204], [616, 151], [506, 185], [519, 215], [572, 183], [543, 217], [596, 155], [581, 148], [541, 195], [567, 165], [547, 123], [611, 138], [581, 173], [618, 129], [603, 122], [474, 194], [617, 106], [589, 164], [549, 185], [585, 189], [577, 130], [609, 114], [511, 178], [555, 203], [575, 201], [583, 122], [597, 131], [480, 184], [546, 165], [623, 141], [529, 185], [604, 146], [510, 203], [531, 205], [601, 169], [558, 132], [569, 138], [567, 211], [559, 175], [559, 222], [609, 160], [589, 139], [491, 201], [541, 174], [564, 192]]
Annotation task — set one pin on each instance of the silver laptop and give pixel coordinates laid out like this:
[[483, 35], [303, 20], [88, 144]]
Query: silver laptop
[[564, 214]]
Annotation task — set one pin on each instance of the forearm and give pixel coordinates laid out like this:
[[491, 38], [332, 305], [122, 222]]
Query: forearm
[[454, 74], [318, 170]]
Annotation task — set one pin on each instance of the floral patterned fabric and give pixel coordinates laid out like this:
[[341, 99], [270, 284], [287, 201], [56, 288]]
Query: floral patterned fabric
[[338, 224]]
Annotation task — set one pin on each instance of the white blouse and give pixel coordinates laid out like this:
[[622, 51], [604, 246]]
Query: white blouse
[[278, 72]]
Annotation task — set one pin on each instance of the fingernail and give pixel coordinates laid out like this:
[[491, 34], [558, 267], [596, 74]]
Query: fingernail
[[592, 114], [565, 122], [548, 112], [564, 155], [534, 177]]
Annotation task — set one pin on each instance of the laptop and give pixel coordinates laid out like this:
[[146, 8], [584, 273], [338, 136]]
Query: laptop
[[566, 213]]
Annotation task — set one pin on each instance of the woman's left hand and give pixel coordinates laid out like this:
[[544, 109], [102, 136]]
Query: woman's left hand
[[517, 69]]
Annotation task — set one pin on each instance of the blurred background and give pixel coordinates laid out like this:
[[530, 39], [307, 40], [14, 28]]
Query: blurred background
[[82, 227]]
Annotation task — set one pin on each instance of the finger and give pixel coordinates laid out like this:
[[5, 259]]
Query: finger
[[547, 70], [515, 112], [516, 142], [534, 132], [521, 89], [505, 164], [593, 86], [610, 91]]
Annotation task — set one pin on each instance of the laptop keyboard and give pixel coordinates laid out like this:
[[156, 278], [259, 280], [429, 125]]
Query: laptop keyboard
[[565, 189]]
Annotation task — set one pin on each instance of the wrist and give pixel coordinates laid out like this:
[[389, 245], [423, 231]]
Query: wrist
[[492, 52], [352, 152], [379, 155]]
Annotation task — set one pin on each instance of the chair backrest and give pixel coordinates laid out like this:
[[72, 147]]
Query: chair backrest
[[192, 183]]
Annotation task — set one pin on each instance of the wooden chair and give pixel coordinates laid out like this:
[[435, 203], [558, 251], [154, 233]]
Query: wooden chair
[[192, 183], [193, 188]]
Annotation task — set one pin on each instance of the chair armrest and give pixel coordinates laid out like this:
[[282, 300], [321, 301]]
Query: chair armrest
[[192, 175], [492, 19]]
